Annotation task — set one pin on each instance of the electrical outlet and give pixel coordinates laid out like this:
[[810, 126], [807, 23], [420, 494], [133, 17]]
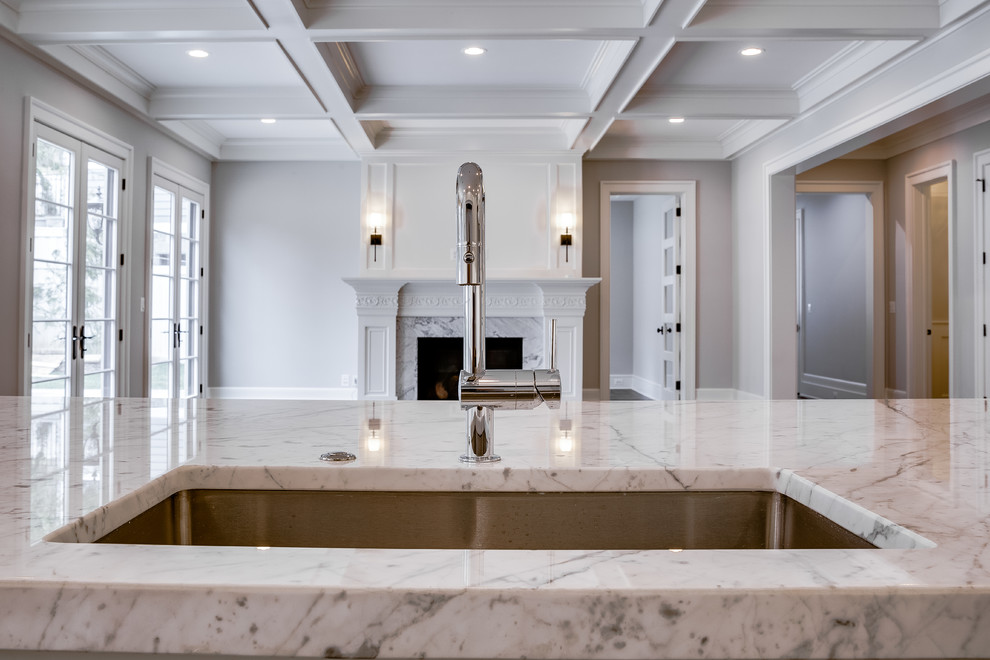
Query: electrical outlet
[[345, 380]]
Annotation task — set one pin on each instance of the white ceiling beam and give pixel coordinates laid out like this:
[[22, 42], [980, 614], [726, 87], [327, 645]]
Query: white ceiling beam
[[384, 102], [710, 103], [95, 65], [83, 23], [458, 17], [286, 150], [476, 140], [284, 22], [733, 20], [616, 148], [198, 103]]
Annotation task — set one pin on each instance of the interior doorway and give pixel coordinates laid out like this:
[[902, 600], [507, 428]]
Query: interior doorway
[[644, 255], [840, 290], [653, 295], [929, 221]]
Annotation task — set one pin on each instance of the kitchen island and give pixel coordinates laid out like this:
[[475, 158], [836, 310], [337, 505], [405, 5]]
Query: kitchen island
[[911, 476]]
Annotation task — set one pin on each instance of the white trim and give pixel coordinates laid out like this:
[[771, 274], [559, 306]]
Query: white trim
[[283, 393], [687, 192], [915, 223], [620, 381], [647, 388], [876, 294], [823, 387], [39, 112], [981, 215], [896, 394], [725, 394]]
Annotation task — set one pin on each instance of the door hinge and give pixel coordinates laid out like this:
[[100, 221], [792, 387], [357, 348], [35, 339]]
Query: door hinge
[[120, 335], [677, 386], [34, 150], [678, 271], [201, 272], [31, 245], [983, 183], [678, 214], [678, 327], [202, 214], [200, 329], [123, 184], [200, 388], [929, 331], [984, 329], [121, 258]]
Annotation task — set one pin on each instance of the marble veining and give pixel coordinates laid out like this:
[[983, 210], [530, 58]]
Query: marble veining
[[922, 467]]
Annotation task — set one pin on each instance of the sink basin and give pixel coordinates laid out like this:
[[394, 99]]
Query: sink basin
[[483, 520]]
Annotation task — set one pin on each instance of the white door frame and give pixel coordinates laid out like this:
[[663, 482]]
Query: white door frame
[[687, 192], [917, 288], [981, 216], [875, 291]]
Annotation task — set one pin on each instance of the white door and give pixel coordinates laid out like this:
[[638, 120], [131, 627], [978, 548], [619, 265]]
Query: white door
[[73, 338], [176, 292], [670, 331]]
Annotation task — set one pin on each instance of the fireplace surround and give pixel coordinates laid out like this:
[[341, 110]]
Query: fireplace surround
[[394, 312]]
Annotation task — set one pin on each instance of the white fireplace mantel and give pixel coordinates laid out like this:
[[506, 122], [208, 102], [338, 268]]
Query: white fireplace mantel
[[380, 302]]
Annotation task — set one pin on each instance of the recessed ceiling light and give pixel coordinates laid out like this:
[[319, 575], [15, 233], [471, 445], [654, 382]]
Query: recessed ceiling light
[[751, 51], [197, 52], [474, 50], [676, 120], [268, 120]]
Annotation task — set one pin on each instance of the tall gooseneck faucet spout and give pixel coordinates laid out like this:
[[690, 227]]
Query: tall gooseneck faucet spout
[[481, 390]]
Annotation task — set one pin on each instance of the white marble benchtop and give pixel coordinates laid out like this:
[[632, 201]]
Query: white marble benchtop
[[923, 466]]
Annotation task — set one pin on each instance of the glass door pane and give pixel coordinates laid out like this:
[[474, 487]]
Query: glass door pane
[[163, 276], [51, 328], [98, 328], [189, 291]]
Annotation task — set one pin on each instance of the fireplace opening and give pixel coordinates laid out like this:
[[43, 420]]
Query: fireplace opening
[[439, 361]]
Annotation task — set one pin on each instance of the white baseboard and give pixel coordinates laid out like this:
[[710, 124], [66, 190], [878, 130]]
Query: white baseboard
[[896, 394], [294, 393], [724, 394], [823, 387], [620, 381], [647, 388]]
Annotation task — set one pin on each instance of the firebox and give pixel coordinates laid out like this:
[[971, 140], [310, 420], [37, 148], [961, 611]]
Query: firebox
[[439, 361]]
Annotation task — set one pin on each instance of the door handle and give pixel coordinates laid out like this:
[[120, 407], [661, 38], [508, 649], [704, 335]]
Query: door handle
[[82, 340], [75, 340], [660, 330]]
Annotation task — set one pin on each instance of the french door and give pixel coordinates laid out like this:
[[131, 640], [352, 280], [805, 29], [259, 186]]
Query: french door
[[176, 291], [72, 341]]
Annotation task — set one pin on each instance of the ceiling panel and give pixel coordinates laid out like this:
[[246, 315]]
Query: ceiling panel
[[719, 63], [522, 63], [229, 64], [282, 129]]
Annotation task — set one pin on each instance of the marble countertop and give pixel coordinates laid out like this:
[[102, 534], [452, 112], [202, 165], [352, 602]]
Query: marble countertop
[[923, 466]]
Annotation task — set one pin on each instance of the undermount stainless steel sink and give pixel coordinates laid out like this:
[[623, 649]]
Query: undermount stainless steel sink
[[484, 520]]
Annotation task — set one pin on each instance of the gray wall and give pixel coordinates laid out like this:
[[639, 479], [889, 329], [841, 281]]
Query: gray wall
[[835, 258], [23, 75], [621, 309], [714, 258], [282, 237]]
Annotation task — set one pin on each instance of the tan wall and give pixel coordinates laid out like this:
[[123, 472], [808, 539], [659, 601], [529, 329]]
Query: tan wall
[[714, 262]]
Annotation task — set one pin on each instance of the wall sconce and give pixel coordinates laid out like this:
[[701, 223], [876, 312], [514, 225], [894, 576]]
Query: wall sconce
[[566, 220], [565, 240], [373, 221]]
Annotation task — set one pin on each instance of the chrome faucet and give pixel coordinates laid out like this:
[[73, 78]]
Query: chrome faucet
[[482, 390]]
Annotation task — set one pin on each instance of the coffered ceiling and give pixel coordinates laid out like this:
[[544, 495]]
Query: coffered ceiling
[[346, 79]]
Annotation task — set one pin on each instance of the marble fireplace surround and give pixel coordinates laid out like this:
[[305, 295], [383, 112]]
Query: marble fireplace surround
[[394, 312]]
